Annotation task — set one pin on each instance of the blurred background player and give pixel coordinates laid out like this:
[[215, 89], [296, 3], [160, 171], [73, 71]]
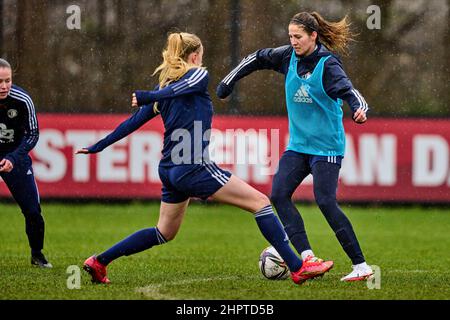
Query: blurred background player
[[185, 170], [315, 85], [19, 133]]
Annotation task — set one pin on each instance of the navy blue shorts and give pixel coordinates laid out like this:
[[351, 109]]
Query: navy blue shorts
[[312, 159], [182, 182]]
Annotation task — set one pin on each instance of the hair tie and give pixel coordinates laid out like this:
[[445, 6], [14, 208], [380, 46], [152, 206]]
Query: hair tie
[[299, 21]]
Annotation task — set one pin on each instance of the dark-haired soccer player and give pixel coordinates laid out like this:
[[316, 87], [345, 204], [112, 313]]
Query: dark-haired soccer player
[[184, 104], [315, 85], [19, 133]]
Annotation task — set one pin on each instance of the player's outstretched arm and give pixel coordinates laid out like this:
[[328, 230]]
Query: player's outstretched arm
[[263, 59], [137, 120], [248, 65]]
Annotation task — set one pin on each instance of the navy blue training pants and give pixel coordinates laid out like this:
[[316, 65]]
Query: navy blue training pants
[[293, 169], [22, 185]]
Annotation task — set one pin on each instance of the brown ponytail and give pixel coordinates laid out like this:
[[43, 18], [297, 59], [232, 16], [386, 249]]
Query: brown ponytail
[[334, 35]]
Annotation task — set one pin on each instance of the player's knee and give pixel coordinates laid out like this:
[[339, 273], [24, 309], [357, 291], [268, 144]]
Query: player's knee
[[168, 235], [32, 211], [33, 217], [261, 201], [326, 201], [279, 196]]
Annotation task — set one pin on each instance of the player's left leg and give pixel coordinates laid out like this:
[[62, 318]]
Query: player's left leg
[[170, 219], [171, 216], [326, 177], [23, 188]]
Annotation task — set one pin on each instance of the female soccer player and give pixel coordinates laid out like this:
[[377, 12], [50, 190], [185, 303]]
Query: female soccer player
[[315, 86], [19, 133], [185, 170]]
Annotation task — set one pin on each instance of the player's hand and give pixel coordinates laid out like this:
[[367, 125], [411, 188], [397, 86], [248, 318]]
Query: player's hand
[[360, 116], [82, 151], [6, 166], [223, 90], [134, 102]]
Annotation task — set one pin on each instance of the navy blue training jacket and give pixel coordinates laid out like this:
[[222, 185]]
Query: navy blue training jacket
[[19, 129], [186, 110]]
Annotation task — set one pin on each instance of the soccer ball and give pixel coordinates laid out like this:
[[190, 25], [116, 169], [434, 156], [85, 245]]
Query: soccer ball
[[272, 266]]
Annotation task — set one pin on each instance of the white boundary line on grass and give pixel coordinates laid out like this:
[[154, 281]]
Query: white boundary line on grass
[[153, 291], [410, 271]]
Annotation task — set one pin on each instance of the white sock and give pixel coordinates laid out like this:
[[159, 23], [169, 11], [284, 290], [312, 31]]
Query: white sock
[[363, 265], [307, 253]]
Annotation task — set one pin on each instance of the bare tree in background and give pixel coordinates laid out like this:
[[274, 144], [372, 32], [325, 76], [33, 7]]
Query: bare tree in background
[[446, 71], [119, 45], [31, 51], [1, 27]]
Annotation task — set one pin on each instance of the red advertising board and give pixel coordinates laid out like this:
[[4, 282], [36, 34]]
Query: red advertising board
[[386, 159]]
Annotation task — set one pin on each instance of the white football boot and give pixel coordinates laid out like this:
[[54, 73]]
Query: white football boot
[[360, 272]]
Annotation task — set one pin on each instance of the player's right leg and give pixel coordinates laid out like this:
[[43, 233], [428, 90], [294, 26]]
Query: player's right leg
[[170, 218], [238, 193], [293, 168]]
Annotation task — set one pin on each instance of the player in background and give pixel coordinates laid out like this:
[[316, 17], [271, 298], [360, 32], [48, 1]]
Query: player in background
[[19, 133], [185, 170], [315, 86]]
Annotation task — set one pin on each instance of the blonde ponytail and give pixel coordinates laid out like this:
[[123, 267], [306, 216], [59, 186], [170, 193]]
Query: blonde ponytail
[[175, 55]]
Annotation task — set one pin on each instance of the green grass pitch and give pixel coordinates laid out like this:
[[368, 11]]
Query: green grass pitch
[[215, 255]]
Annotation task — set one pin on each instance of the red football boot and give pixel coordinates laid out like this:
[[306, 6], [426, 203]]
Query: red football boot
[[312, 267], [96, 270]]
